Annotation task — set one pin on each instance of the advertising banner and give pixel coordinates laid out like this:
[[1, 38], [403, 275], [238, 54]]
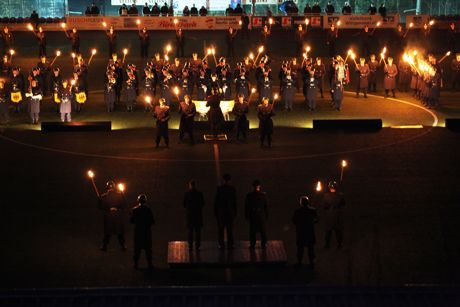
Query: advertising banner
[[360, 21]]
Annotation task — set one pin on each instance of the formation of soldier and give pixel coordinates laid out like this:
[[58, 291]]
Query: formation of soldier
[[331, 205]]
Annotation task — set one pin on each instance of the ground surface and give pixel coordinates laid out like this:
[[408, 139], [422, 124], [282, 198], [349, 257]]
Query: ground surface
[[401, 189]]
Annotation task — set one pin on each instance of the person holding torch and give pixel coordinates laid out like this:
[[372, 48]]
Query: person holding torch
[[332, 214], [180, 42], [41, 38], [162, 116], [389, 82], [144, 39], [111, 39], [74, 38], [7, 39], [265, 114]]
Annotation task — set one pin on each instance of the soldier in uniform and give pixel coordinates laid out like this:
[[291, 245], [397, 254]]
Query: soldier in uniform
[[405, 74], [332, 206], [79, 91], [144, 39], [195, 66], [65, 102], [373, 66], [366, 36], [131, 85], [7, 39], [215, 116], [41, 38], [266, 83], [242, 84], [35, 93], [4, 108], [240, 109], [337, 94], [304, 219], [74, 38], [112, 40], [434, 87], [319, 73], [455, 67], [166, 82], [299, 39], [142, 218], [363, 71], [180, 42], [44, 69], [187, 111], [6, 67], [161, 114], [110, 92], [312, 92], [55, 86], [256, 212], [265, 114], [17, 89], [113, 204], [265, 36], [193, 204], [202, 85], [389, 81], [149, 87], [185, 83], [231, 35], [225, 211], [288, 84], [331, 38]]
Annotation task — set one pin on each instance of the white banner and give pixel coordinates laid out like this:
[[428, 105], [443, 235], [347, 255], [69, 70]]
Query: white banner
[[360, 21], [130, 2]]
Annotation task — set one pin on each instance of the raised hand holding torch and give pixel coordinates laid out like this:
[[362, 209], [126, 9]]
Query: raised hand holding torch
[[93, 52], [58, 53], [90, 174], [445, 56], [125, 52], [12, 52], [342, 167]]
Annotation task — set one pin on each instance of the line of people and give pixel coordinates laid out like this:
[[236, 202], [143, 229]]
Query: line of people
[[256, 211]]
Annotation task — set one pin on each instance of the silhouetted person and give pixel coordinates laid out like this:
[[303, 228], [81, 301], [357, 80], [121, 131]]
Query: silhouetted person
[[332, 214], [133, 10], [144, 39], [193, 204], [372, 10], [34, 18], [113, 203], [142, 218], [203, 11], [194, 11], [146, 10], [346, 10], [95, 9], [256, 212], [225, 211], [244, 26], [383, 10], [180, 42], [164, 10], [330, 8], [316, 9], [304, 219]]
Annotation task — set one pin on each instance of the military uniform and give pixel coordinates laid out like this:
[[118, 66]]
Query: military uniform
[[16, 88], [193, 204], [79, 94], [288, 84], [330, 41], [225, 213], [161, 114], [256, 212], [142, 218], [113, 204], [187, 117], [241, 122], [311, 93], [65, 105], [372, 78], [337, 94], [36, 96], [265, 113], [389, 81], [319, 72], [144, 38], [165, 85], [74, 38], [434, 89], [304, 220], [180, 42], [41, 38], [7, 41], [404, 74], [242, 85], [55, 86], [202, 86], [266, 83], [110, 94], [131, 97], [332, 215], [215, 116], [363, 72], [112, 40]]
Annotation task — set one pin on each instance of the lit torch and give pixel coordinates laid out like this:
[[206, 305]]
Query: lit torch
[[125, 53], [121, 187], [58, 53], [93, 52], [445, 56], [12, 52], [319, 186], [90, 174], [259, 51], [73, 55], [342, 167]]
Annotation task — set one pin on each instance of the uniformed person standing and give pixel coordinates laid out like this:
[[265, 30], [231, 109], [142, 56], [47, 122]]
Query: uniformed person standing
[[404, 74], [240, 109], [225, 83], [131, 97], [187, 110], [312, 92], [44, 69], [265, 114], [36, 95], [215, 116], [337, 94], [149, 87], [265, 36], [74, 38], [4, 107], [242, 84], [319, 73], [434, 87], [332, 213], [256, 212], [144, 39], [180, 43], [455, 67], [332, 35], [65, 104], [202, 85], [113, 204], [17, 89], [6, 67], [299, 39], [110, 92], [143, 220], [266, 83], [55, 86], [389, 81], [112, 40], [193, 204], [231, 35], [7, 39], [225, 211], [166, 81], [161, 114], [304, 219], [289, 89], [41, 38], [363, 71], [373, 66]]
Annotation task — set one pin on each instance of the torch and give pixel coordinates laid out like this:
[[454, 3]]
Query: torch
[[121, 187], [208, 52], [125, 52], [411, 25], [261, 49], [253, 90], [350, 52], [30, 27], [73, 55], [307, 21], [168, 49], [353, 56], [93, 52], [240, 23], [104, 24], [251, 57], [376, 26], [138, 23], [338, 25], [275, 97], [12, 52], [148, 100], [342, 167], [175, 21], [213, 51], [58, 53], [445, 56], [382, 55], [319, 186], [431, 23], [270, 22], [176, 92], [90, 174]]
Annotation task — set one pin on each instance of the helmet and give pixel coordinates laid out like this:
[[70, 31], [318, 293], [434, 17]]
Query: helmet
[[142, 198], [110, 184], [332, 184], [304, 201]]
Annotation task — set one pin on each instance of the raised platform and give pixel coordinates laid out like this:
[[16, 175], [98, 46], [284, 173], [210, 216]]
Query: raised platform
[[179, 254]]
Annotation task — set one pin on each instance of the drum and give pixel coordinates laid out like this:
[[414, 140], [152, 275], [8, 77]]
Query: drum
[[56, 98], [81, 97], [16, 97]]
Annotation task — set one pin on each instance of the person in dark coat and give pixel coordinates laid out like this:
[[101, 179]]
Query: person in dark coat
[[74, 38], [187, 110], [244, 26], [265, 114], [331, 38], [215, 115], [112, 40], [453, 33], [383, 10], [146, 10], [130, 91], [194, 10], [330, 8], [41, 38], [193, 204], [256, 212], [389, 81], [231, 35], [304, 219], [337, 94], [113, 204], [142, 218], [319, 73], [299, 39], [161, 114], [144, 38], [16, 87], [225, 211], [332, 213], [36, 95], [363, 71], [4, 112], [373, 66], [7, 39], [455, 68], [180, 42], [289, 89], [240, 109]]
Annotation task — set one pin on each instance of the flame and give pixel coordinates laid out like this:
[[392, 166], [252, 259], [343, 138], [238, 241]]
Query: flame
[[90, 174], [121, 187], [319, 186], [93, 52]]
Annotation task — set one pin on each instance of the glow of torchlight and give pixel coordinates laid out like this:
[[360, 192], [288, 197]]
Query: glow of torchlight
[[125, 51], [90, 174], [251, 56], [168, 48], [104, 24], [63, 25], [12, 52], [275, 96], [261, 49], [29, 26], [344, 163], [175, 21], [319, 186], [253, 90], [93, 52], [431, 22], [411, 25], [121, 187], [308, 48], [58, 53], [148, 99], [307, 21], [176, 91], [73, 55], [270, 21]]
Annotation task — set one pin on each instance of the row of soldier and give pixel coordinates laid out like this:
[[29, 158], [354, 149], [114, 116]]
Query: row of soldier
[[256, 211]]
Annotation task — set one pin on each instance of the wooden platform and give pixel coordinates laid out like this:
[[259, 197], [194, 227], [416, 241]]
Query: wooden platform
[[209, 254]]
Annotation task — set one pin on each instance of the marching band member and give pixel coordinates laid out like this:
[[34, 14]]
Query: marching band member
[[389, 82], [65, 106], [187, 111], [320, 72], [36, 95], [240, 109], [161, 114], [363, 71], [242, 84], [166, 82], [149, 87]]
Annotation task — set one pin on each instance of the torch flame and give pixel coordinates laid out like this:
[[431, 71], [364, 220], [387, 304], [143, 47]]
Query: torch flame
[[319, 186], [121, 187], [58, 53], [275, 96], [29, 26], [73, 55], [138, 21], [261, 49], [344, 163], [176, 90], [251, 56], [307, 21], [12, 52], [104, 24], [125, 51], [63, 25], [308, 48], [93, 52], [148, 99], [411, 25], [253, 90], [90, 174]]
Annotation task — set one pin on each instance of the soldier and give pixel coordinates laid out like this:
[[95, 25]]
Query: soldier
[[366, 36], [110, 92], [113, 204], [240, 109], [7, 39], [74, 38], [187, 111], [455, 66], [245, 26], [256, 212], [389, 81], [332, 206], [225, 83], [4, 108], [319, 73], [65, 102], [144, 38], [185, 83], [215, 116], [16, 87], [265, 114], [266, 83], [312, 92], [304, 219], [373, 66], [299, 39], [112, 40], [55, 86], [225, 211], [202, 85], [161, 114], [363, 71], [35, 93], [180, 42], [434, 87], [195, 65], [337, 94], [452, 37], [231, 35], [193, 204], [44, 69], [6, 67], [142, 218], [332, 36], [131, 84], [242, 84], [79, 91], [41, 38], [404, 73], [288, 84], [149, 87], [400, 41], [265, 36], [166, 81]]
